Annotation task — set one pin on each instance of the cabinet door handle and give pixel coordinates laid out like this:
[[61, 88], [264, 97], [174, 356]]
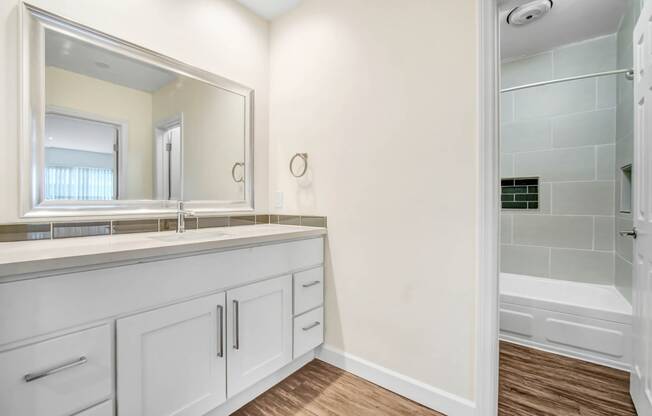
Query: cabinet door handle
[[316, 282], [311, 326], [220, 331], [54, 370], [236, 325]]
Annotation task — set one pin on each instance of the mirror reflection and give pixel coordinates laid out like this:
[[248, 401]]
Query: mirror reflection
[[120, 129]]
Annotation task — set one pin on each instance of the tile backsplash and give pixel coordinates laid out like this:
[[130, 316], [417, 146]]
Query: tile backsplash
[[56, 230]]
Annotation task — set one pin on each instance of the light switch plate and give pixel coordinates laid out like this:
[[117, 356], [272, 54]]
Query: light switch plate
[[278, 200]]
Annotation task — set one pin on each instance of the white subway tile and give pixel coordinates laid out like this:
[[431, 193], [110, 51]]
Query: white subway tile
[[584, 129], [531, 69], [583, 198], [506, 165], [624, 278], [582, 266], [526, 136], [554, 231], [625, 245], [606, 169], [571, 164], [505, 229], [507, 107], [556, 99], [604, 233], [607, 91], [594, 55], [531, 261]]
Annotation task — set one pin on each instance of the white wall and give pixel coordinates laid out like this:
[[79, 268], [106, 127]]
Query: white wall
[[382, 97], [220, 36], [564, 134]]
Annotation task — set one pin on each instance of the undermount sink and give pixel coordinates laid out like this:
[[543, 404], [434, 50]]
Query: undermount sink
[[189, 236]]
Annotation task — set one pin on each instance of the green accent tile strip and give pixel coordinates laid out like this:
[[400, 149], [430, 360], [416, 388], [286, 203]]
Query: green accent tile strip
[[166, 224], [262, 219], [526, 197], [24, 232], [213, 222], [313, 221], [81, 229], [514, 205], [519, 193], [289, 219], [242, 220], [134, 226]]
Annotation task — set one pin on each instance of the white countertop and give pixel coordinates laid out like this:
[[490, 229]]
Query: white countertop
[[47, 256]]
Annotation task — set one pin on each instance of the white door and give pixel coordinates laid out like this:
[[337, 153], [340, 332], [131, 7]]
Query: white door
[[260, 331], [641, 378], [171, 361]]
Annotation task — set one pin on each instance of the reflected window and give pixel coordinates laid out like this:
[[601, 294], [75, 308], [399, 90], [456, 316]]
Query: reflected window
[[81, 159]]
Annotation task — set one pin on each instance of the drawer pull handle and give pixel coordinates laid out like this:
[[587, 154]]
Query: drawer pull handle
[[316, 282], [54, 370], [311, 326]]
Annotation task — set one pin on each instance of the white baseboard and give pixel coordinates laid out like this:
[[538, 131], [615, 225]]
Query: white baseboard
[[244, 397], [429, 396]]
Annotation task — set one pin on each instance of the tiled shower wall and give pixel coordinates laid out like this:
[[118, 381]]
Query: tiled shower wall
[[564, 134], [624, 148]]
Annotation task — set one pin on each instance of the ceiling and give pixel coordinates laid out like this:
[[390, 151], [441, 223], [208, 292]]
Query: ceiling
[[569, 21], [269, 9], [83, 58]]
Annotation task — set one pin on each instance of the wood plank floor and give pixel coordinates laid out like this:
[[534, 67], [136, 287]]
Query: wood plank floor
[[532, 383], [538, 383], [321, 389]]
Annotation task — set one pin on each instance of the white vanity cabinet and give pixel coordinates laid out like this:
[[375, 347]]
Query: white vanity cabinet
[[171, 361], [260, 327], [191, 335]]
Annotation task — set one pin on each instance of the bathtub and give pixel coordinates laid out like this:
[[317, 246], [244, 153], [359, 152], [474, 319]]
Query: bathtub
[[581, 320]]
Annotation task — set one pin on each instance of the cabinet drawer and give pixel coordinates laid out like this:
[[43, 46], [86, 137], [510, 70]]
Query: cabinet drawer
[[308, 290], [308, 331], [57, 377], [103, 409]]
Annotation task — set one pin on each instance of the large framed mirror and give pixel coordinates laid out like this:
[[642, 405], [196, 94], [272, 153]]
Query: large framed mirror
[[111, 128]]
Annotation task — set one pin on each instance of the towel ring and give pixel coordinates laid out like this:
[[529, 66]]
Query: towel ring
[[235, 166], [303, 156]]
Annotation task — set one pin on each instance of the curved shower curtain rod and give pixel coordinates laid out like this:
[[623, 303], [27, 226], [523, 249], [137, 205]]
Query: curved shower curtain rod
[[628, 72]]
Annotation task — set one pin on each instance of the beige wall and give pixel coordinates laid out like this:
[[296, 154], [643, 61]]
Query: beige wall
[[213, 137], [382, 96], [216, 35], [114, 102]]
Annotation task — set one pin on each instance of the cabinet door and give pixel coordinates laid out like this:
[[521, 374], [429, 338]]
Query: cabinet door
[[171, 361], [260, 331]]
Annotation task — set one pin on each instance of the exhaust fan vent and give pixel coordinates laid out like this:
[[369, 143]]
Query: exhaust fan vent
[[529, 12]]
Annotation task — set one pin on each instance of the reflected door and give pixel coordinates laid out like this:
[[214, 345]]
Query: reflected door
[[81, 158], [168, 165]]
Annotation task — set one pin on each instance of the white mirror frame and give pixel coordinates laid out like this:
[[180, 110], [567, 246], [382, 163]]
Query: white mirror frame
[[33, 23]]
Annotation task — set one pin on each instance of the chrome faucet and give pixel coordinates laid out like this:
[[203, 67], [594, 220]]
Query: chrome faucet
[[181, 217]]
